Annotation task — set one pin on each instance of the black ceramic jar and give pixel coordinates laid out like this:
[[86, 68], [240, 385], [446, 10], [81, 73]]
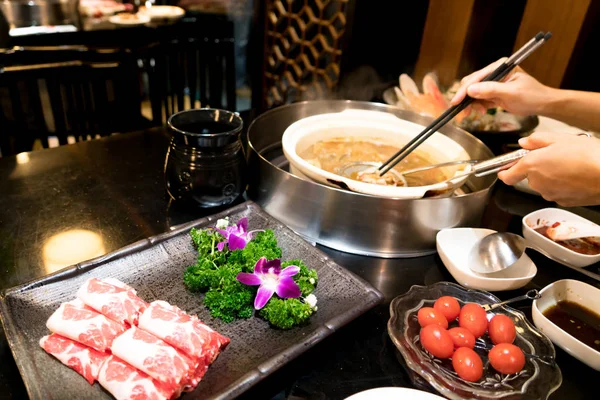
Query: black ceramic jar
[[205, 162]]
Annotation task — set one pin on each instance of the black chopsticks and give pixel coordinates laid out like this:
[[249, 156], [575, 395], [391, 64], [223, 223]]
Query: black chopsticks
[[497, 75]]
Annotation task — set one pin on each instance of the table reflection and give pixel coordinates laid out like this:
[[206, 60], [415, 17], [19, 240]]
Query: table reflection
[[71, 247]]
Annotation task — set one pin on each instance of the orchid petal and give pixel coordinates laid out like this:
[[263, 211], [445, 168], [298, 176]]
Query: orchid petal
[[243, 224], [236, 242], [221, 245], [248, 279], [263, 295], [223, 233], [273, 264], [289, 271], [259, 267], [288, 289]]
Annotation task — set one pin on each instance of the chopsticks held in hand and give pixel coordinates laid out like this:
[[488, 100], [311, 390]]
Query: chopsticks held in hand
[[497, 75]]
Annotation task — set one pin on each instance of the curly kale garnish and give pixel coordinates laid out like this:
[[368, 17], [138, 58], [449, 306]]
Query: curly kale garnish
[[285, 314], [215, 274], [306, 279]]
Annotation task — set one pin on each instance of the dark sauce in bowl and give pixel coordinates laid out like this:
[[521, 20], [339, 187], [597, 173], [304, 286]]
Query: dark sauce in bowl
[[584, 246], [578, 321]]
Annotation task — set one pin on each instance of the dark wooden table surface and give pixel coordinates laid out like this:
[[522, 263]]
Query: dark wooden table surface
[[112, 190]]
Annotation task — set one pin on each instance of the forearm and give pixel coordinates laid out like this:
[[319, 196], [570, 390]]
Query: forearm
[[577, 108]]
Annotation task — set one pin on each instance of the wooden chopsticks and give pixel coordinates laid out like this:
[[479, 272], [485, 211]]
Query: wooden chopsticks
[[497, 75]]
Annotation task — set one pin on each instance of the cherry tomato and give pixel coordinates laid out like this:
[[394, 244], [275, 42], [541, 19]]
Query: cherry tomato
[[473, 317], [467, 364], [437, 341], [429, 316], [462, 337], [502, 329], [448, 306], [507, 358]]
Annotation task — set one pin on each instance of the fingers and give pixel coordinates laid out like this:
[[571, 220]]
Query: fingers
[[488, 90], [515, 174], [474, 77], [538, 140]]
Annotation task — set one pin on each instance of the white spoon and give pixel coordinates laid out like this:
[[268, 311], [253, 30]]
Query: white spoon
[[572, 230]]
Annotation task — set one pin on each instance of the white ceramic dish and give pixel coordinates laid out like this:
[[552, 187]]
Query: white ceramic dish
[[394, 393], [577, 292], [125, 19], [364, 124], [454, 247], [548, 216], [163, 12]]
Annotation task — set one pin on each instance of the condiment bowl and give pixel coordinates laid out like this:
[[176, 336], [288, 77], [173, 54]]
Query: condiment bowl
[[375, 126], [575, 291], [454, 247], [548, 216]]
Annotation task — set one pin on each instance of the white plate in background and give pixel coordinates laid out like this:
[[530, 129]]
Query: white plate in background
[[394, 393]]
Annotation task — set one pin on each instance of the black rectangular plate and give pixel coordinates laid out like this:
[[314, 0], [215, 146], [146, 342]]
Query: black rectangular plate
[[154, 267]]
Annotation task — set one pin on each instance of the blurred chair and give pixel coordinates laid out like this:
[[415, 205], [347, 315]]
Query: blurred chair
[[66, 91], [302, 43], [191, 70]]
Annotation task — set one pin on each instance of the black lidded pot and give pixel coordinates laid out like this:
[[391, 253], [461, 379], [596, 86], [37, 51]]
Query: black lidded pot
[[205, 163]]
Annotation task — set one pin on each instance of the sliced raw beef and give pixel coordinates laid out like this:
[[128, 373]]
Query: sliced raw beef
[[85, 360], [155, 357], [183, 331], [127, 383], [113, 299], [80, 323]]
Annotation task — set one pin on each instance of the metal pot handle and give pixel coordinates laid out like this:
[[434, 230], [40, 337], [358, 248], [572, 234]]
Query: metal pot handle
[[496, 164]]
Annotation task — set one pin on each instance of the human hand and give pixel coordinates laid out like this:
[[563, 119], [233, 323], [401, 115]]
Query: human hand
[[519, 93], [563, 168]]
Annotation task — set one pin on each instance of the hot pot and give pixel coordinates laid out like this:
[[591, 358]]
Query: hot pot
[[353, 222]]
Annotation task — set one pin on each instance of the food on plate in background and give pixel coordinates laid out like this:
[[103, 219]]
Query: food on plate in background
[[433, 102], [100, 8], [131, 348]]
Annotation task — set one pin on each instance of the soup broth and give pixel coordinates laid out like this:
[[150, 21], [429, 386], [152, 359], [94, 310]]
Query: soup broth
[[332, 155]]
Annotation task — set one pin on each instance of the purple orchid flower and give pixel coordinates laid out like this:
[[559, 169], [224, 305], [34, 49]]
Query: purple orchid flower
[[272, 279], [236, 236]]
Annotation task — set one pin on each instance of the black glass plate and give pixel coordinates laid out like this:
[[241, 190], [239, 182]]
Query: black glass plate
[[155, 267]]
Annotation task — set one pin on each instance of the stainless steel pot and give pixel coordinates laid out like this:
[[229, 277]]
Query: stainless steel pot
[[352, 222], [24, 13]]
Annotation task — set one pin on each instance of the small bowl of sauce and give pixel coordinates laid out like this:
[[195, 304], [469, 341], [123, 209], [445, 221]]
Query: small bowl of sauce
[[578, 321], [576, 253], [567, 314]]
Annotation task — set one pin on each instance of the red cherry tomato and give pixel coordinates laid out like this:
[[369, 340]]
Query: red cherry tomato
[[429, 316], [467, 364], [437, 341], [462, 337], [473, 317], [502, 329], [448, 306], [507, 358]]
